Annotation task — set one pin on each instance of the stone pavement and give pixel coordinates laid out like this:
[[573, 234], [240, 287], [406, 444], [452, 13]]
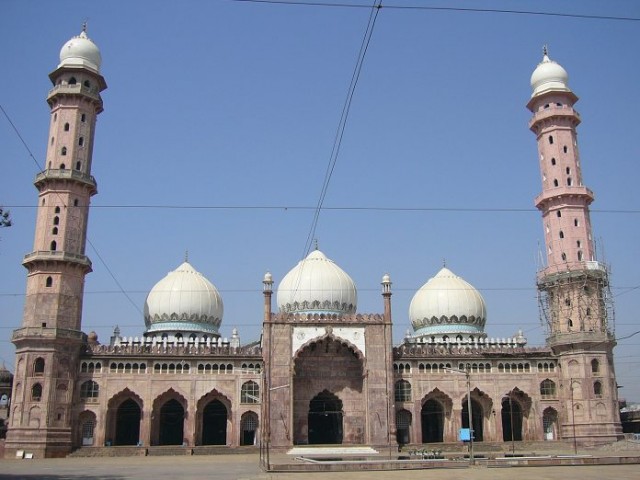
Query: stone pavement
[[245, 467]]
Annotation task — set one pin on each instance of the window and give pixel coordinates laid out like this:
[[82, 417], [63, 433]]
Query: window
[[89, 391], [578, 243], [53, 246], [75, 202], [569, 181], [54, 231], [63, 152], [550, 139], [403, 391], [558, 213], [49, 282], [568, 170], [564, 149], [38, 367], [597, 389], [595, 366], [81, 142], [56, 220], [569, 323], [83, 118], [567, 302], [87, 84], [250, 393], [547, 389], [62, 166], [36, 392], [78, 165], [66, 127], [564, 257], [580, 256], [52, 140], [72, 81], [555, 182], [561, 234], [576, 222], [553, 161]]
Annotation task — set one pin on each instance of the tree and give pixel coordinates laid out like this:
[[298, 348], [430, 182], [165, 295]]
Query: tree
[[5, 218]]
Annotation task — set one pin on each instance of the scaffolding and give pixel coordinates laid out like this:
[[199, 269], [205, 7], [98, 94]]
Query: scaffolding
[[576, 298]]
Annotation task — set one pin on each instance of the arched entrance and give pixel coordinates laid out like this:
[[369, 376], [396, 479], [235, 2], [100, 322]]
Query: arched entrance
[[403, 426], [248, 428], [171, 423], [550, 423], [511, 420], [87, 426], [214, 423], [128, 417], [477, 415], [325, 419], [432, 422]]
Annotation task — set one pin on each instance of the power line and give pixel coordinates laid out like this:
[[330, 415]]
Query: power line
[[442, 9]]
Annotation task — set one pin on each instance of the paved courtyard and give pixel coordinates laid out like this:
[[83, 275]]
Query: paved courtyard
[[245, 467]]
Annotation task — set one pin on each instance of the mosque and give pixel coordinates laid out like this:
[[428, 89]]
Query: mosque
[[321, 373]]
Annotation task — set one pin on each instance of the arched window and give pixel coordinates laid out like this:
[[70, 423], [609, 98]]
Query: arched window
[[53, 246], [62, 166], [569, 181], [78, 165], [63, 152], [87, 84], [555, 182], [72, 81], [89, 391], [595, 365], [66, 127], [81, 141], [548, 389], [580, 256], [553, 161], [597, 389], [550, 139], [36, 392], [564, 257], [56, 220], [49, 282], [558, 212], [569, 323], [250, 393], [57, 210], [403, 391], [561, 234], [75, 202], [83, 117], [38, 367]]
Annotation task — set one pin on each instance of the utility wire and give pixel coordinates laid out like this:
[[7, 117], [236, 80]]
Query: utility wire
[[15, 129], [344, 116], [442, 9]]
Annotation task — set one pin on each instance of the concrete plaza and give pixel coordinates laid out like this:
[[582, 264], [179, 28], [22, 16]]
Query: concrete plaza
[[245, 467]]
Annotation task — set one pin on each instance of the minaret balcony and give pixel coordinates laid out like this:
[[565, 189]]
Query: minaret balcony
[[57, 256], [560, 193], [552, 274], [29, 333], [66, 174], [75, 89]]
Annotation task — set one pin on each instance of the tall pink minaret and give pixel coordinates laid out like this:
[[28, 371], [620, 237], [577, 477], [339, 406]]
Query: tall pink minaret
[[50, 340], [573, 286]]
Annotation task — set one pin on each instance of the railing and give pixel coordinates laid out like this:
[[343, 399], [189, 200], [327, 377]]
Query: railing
[[45, 332], [77, 88], [170, 349], [59, 256], [57, 173]]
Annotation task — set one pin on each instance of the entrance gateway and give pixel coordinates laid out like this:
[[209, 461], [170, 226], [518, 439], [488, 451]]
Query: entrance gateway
[[325, 419]]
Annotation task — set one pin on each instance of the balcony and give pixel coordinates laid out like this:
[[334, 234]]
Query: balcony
[[66, 174], [57, 256]]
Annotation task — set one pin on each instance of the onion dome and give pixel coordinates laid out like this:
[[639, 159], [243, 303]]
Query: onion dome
[[447, 305], [80, 51], [5, 375], [317, 285], [549, 76], [183, 301]]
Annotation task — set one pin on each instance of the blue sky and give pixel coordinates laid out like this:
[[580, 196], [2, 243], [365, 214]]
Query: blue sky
[[227, 104]]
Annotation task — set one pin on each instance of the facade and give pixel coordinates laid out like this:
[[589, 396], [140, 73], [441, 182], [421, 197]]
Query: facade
[[321, 373]]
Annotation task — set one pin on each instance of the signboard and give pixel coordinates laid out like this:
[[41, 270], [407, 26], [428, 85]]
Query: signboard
[[464, 435]]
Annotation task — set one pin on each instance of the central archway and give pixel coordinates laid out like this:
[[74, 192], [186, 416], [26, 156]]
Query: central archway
[[477, 415], [325, 419], [214, 424], [128, 417], [511, 420], [432, 422], [172, 423]]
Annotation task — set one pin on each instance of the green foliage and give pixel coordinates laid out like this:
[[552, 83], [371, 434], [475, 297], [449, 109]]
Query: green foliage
[[5, 218]]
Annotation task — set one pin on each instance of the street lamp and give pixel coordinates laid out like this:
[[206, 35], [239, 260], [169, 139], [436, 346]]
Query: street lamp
[[467, 373]]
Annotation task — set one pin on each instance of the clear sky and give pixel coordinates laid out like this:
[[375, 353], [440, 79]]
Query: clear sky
[[216, 104]]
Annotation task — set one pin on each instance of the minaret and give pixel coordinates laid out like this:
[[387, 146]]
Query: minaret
[[50, 340], [573, 286]]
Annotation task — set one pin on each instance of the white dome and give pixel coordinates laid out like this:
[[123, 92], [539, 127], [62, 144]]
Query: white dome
[[184, 300], [447, 304], [549, 75], [80, 51], [317, 285]]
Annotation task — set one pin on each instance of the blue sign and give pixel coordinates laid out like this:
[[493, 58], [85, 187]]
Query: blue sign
[[464, 435]]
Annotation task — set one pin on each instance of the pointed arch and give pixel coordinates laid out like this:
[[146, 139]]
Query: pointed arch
[[124, 414], [248, 428], [213, 419], [86, 427], [481, 406], [329, 336], [169, 412]]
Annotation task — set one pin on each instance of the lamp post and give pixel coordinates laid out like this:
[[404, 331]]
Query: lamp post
[[467, 373]]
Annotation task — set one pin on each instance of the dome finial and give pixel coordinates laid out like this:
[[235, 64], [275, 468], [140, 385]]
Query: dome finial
[[84, 26], [186, 255], [545, 50], [315, 244], [444, 263]]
